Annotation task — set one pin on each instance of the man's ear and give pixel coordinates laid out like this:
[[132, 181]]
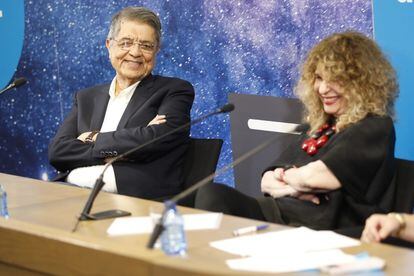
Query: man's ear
[[107, 43]]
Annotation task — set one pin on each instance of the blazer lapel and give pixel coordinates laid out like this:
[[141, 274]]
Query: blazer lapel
[[141, 95], [100, 100]]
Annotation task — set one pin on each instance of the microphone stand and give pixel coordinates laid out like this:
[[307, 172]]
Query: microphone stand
[[159, 227], [85, 214], [16, 83]]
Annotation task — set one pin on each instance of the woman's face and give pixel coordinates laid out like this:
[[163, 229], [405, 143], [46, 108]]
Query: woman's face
[[330, 94]]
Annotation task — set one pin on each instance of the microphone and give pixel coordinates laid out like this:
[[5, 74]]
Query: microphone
[[99, 183], [16, 83], [226, 108], [159, 228]]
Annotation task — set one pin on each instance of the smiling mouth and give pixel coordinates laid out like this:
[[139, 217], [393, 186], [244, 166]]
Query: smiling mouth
[[133, 64], [330, 100]]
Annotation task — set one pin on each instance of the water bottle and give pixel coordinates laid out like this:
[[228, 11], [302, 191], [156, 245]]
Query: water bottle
[[4, 212], [173, 240]]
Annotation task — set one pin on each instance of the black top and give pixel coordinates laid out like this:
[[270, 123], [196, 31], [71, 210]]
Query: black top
[[362, 159]]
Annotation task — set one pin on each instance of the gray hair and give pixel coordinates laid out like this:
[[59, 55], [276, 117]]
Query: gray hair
[[139, 14]]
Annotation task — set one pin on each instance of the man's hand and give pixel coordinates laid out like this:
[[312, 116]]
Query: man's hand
[[84, 135], [109, 159], [158, 119]]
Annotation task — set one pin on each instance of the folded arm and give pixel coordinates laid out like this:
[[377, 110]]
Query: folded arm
[[68, 149], [303, 183], [175, 106], [315, 177]]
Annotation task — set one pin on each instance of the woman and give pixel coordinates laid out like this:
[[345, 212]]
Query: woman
[[337, 172]]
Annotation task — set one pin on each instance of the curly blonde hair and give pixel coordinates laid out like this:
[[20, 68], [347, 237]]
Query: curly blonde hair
[[357, 64]]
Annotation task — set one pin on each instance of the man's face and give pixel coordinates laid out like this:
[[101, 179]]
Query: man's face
[[132, 52]]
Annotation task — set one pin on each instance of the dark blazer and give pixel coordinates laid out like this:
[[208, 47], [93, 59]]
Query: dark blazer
[[154, 171]]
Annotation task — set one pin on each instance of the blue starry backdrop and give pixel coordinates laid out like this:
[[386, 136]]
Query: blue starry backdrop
[[251, 47]]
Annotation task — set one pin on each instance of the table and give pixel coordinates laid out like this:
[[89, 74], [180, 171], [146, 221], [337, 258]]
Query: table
[[37, 238]]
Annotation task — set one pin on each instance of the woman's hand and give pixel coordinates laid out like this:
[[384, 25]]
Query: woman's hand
[[158, 119], [308, 197], [273, 185]]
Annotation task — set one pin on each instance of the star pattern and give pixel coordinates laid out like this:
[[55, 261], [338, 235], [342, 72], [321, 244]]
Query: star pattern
[[249, 47]]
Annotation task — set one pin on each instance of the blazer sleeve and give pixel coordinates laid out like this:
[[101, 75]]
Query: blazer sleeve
[[176, 105], [66, 152]]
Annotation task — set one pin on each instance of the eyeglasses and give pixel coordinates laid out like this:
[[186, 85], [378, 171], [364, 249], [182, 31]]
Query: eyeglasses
[[127, 44]]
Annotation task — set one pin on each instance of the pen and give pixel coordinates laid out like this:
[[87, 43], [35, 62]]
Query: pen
[[249, 229]]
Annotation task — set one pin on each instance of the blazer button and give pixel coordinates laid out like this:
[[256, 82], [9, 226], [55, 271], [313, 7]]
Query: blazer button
[[102, 152], [115, 153]]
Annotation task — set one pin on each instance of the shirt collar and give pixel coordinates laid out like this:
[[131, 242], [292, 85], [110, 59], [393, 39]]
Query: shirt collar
[[127, 92]]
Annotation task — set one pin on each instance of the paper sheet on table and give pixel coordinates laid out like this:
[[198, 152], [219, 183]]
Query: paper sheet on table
[[143, 225], [291, 263], [284, 242]]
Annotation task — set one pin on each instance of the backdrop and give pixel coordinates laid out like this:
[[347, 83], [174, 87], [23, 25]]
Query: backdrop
[[250, 47], [394, 25]]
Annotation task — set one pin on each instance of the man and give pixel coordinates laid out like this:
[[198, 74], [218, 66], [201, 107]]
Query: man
[[110, 119]]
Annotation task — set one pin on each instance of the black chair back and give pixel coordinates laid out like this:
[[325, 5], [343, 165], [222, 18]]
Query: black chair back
[[404, 190], [398, 198], [200, 160]]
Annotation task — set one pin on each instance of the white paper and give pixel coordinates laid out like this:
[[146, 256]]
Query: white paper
[[202, 221], [143, 225], [291, 263], [284, 242], [368, 264], [130, 225]]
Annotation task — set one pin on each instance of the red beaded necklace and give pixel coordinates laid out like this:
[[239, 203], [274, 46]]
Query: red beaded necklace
[[318, 139]]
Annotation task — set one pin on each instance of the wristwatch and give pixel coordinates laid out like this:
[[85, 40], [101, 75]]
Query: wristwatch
[[401, 220]]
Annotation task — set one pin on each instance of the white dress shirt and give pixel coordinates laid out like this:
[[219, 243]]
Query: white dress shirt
[[86, 176]]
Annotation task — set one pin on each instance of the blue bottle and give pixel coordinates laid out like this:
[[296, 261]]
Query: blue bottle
[[4, 212], [173, 240]]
